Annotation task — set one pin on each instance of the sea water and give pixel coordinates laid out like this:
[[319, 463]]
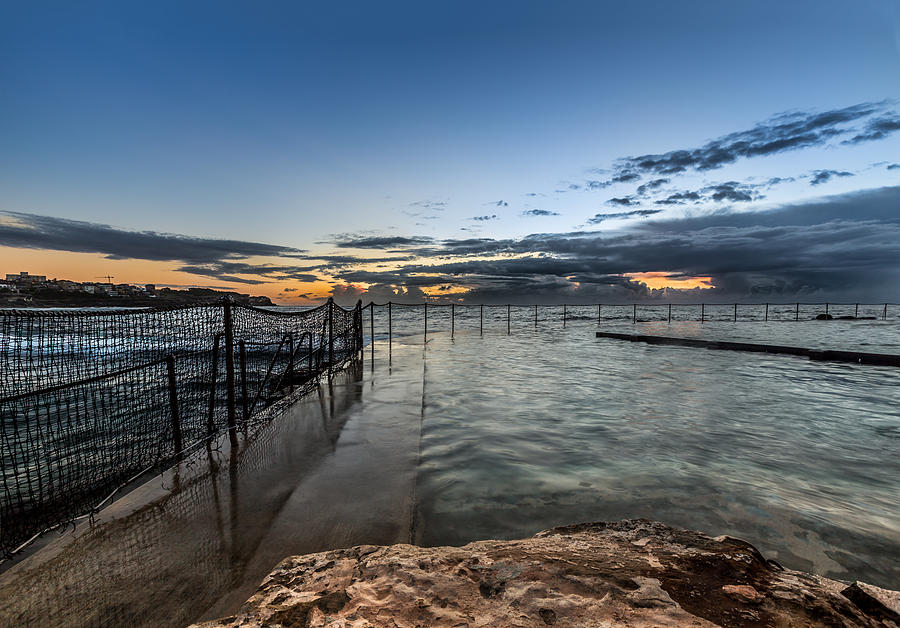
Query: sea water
[[547, 425]]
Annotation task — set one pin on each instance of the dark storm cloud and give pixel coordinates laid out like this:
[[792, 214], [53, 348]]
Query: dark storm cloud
[[598, 218], [621, 200], [732, 191], [781, 133], [344, 260], [626, 177], [893, 167], [227, 271], [539, 212], [651, 185], [381, 242], [877, 129], [845, 246], [379, 293], [597, 185], [59, 234], [818, 177], [680, 198]]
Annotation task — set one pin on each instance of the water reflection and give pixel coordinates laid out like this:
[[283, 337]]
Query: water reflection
[[546, 428], [197, 540]]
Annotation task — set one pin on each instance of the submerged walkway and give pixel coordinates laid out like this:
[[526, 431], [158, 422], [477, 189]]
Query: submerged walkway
[[856, 357], [338, 469]]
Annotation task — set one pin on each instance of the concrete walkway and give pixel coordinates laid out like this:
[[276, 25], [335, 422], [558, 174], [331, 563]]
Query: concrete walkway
[[338, 469]]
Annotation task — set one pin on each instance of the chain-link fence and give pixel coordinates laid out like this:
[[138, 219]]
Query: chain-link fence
[[90, 400]]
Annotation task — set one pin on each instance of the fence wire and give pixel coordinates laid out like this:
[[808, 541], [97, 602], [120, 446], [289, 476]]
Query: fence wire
[[90, 400]]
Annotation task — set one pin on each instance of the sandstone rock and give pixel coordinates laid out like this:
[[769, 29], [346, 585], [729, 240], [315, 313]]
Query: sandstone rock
[[743, 593], [635, 573], [875, 601]]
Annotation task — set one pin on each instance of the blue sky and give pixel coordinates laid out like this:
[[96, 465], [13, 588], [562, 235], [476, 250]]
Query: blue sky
[[305, 125]]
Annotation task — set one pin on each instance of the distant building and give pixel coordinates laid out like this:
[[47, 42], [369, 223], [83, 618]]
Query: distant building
[[65, 285], [150, 288], [24, 279]]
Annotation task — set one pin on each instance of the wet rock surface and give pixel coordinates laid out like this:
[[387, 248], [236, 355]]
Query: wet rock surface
[[635, 573]]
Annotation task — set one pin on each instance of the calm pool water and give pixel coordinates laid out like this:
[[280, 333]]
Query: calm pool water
[[534, 429]]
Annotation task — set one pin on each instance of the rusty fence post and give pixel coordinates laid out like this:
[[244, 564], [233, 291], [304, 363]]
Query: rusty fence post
[[452, 320], [507, 319], [229, 366], [670, 313], [797, 313], [884, 314], [826, 310], [290, 367], [242, 357], [633, 313], [426, 321], [735, 312], [565, 315], [210, 417], [371, 326], [330, 334], [390, 330], [173, 403], [598, 314], [481, 320], [767, 312], [856, 312]]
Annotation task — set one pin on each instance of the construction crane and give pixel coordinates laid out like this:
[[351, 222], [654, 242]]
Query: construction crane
[[108, 278]]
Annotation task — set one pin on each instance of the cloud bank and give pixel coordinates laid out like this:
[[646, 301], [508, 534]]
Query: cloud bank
[[781, 133], [846, 246]]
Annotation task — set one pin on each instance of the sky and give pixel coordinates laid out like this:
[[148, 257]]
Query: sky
[[503, 152]]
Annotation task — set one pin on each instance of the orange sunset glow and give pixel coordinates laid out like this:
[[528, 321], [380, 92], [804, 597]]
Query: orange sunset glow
[[658, 281], [94, 267]]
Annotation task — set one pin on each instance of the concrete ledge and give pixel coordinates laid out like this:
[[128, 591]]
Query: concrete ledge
[[856, 357]]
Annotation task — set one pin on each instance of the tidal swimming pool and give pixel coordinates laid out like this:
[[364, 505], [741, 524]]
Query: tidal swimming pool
[[537, 429], [469, 437]]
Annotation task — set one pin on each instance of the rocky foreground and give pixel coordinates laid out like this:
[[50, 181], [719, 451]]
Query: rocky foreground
[[634, 573]]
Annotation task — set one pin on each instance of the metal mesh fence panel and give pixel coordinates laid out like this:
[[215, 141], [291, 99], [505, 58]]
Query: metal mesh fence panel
[[91, 399]]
